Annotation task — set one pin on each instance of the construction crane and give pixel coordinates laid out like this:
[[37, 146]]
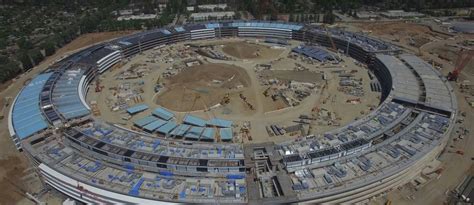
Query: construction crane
[[463, 59], [333, 45]]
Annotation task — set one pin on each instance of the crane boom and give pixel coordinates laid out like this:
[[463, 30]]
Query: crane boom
[[463, 59], [333, 45]]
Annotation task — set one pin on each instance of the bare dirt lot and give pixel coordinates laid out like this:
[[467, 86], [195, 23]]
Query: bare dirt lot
[[402, 32], [245, 50], [202, 86]]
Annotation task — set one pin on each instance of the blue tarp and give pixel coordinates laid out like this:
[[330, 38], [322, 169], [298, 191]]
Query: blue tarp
[[163, 113], [219, 122], [235, 176], [166, 173], [129, 168], [137, 108], [135, 190], [156, 144], [182, 195], [193, 120]]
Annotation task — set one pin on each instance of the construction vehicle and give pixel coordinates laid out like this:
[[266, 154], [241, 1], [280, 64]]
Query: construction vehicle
[[98, 87], [265, 93], [437, 171], [353, 101], [226, 99], [463, 59], [460, 152]]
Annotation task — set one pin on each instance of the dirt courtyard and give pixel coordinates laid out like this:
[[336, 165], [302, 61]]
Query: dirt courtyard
[[202, 86], [289, 75], [245, 50]]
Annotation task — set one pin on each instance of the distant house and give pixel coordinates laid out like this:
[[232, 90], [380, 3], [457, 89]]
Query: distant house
[[226, 15], [366, 15], [400, 14]]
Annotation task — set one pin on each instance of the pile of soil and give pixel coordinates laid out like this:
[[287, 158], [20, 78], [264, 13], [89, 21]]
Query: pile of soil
[[200, 87]]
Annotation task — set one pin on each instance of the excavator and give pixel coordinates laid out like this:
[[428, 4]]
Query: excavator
[[463, 59]]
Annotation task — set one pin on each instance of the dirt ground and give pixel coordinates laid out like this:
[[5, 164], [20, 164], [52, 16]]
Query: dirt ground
[[245, 50], [198, 81], [289, 75], [402, 32], [13, 163]]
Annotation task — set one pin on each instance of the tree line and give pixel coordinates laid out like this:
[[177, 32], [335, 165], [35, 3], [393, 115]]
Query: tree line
[[96, 18]]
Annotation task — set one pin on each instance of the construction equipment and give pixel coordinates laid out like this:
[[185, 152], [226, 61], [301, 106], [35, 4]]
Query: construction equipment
[[265, 93], [98, 87], [437, 171], [226, 99], [333, 45], [463, 59], [460, 152], [158, 80]]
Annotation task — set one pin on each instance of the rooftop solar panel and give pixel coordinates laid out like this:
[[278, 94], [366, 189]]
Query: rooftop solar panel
[[137, 108], [27, 117], [167, 128], [164, 31], [180, 130], [179, 29], [154, 125], [193, 120], [226, 134], [194, 132], [219, 122], [163, 113], [144, 121], [208, 134]]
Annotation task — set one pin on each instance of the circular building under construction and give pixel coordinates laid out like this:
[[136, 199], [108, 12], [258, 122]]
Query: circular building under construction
[[175, 156]]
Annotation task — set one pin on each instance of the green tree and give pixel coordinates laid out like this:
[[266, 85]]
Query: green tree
[[36, 56], [8, 70], [329, 18], [3, 43], [24, 43], [25, 60], [48, 48]]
